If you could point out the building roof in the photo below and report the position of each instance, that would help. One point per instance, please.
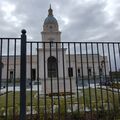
(50, 18)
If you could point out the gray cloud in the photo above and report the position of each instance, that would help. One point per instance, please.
(86, 20)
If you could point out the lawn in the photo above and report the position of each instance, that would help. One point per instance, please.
(90, 100)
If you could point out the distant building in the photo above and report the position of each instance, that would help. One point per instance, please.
(52, 65)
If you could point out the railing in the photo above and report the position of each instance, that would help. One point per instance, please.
(59, 80)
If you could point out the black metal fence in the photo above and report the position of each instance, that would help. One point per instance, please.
(59, 80)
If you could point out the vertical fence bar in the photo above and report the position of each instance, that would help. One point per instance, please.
(31, 90)
(82, 77)
(119, 80)
(45, 101)
(63, 61)
(51, 80)
(23, 77)
(1, 65)
(94, 78)
(116, 67)
(88, 77)
(38, 82)
(6, 109)
(77, 79)
(110, 67)
(69, 62)
(100, 79)
(14, 81)
(103, 63)
(58, 87)
(44, 80)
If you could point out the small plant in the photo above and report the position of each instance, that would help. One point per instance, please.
(2, 111)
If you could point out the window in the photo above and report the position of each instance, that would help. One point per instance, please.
(89, 72)
(1, 65)
(37, 83)
(100, 70)
(11, 75)
(51, 42)
(33, 74)
(78, 71)
(50, 28)
(70, 71)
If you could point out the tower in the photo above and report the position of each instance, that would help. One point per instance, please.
(51, 56)
(51, 31)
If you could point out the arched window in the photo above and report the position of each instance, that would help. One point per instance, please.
(52, 66)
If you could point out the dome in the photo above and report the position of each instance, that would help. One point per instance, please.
(50, 19)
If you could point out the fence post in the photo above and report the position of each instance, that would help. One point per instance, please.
(23, 77)
(0, 70)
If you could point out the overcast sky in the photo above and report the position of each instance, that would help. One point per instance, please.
(79, 20)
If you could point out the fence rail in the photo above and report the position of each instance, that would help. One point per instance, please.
(59, 80)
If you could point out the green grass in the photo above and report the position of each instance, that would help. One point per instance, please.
(91, 97)
(101, 97)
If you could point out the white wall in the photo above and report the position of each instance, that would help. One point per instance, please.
(60, 64)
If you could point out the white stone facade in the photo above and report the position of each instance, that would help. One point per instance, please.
(52, 34)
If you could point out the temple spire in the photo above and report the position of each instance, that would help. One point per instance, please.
(50, 11)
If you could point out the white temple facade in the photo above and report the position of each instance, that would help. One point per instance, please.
(54, 61)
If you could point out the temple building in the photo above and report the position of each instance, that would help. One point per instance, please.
(53, 61)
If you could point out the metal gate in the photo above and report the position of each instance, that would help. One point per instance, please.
(59, 80)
